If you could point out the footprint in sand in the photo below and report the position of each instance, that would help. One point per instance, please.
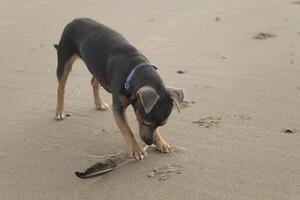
(208, 122)
(165, 172)
(186, 104)
(101, 131)
(239, 117)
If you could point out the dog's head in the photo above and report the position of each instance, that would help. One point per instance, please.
(153, 109)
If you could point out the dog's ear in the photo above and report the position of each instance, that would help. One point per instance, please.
(148, 97)
(176, 94)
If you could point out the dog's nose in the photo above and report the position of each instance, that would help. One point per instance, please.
(149, 141)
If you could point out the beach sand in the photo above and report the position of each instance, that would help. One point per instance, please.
(240, 62)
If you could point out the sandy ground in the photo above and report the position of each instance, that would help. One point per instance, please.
(241, 92)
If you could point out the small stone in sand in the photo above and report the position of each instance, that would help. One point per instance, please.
(263, 36)
(181, 71)
(217, 19)
(288, 130)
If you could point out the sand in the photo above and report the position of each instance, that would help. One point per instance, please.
(249, 86)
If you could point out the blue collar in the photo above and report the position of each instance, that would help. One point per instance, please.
(127, 85)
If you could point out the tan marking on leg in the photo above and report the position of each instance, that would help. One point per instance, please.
(161, 144)
(135, 148)
(61, 88)
(124, 101)
(139, 119)
(100, 105)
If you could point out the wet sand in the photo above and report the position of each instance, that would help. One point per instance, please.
(241, 92)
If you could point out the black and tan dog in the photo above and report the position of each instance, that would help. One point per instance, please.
(121, 70)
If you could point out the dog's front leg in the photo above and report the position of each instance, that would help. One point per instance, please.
(161, 144)
(120, 118)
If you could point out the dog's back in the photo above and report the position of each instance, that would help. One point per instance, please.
(96, 44)
(99, 39)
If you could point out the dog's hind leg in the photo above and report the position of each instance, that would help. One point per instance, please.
(63, 69)
(100, 105)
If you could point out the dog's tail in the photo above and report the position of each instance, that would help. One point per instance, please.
(55, 46)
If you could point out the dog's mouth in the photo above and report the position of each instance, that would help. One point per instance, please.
(148, 134)
(149, 142)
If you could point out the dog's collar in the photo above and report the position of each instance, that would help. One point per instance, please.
(129, 77)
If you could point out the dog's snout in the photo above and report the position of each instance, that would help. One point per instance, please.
(149, 141)
(147, 135)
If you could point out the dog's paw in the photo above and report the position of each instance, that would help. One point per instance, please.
(102, 106)
(162, 145)
(61, 116)
(138, 153)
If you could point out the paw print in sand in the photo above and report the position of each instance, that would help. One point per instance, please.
(208, 122)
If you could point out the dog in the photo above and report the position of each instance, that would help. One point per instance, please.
(124, 72)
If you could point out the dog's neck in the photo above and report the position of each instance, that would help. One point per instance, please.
(133, 71)
(142, 75)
